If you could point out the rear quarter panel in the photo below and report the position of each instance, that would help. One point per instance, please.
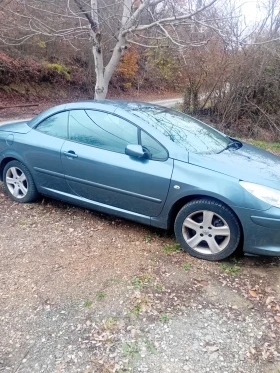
(36, 151)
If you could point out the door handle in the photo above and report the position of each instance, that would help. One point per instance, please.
(70, 154)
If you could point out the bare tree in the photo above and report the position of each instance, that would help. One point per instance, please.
(109, 26)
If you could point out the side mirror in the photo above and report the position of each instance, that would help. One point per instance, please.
(134, 151)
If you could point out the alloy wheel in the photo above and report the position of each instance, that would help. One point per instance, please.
(206, 232)
(16, 182)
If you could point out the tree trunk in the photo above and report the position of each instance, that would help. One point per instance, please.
(195, 101)
(104, 75)
(101, 85)
(187, 100)
(101, 88)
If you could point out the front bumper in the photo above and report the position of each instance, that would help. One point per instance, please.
(261, 231)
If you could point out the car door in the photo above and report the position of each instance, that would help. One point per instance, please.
(44, 153)
(97, 168)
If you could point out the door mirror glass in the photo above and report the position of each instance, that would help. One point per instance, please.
(155, 150)
(134, 151)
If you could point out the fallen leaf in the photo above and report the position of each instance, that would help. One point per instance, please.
(269, 300)
(100, 228)
(213, 348)
(252, 350)
(269, 290)
(253, 293)
(277, 318)
(270, 334)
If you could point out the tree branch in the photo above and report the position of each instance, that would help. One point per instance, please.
(171, 19)
(93, 24)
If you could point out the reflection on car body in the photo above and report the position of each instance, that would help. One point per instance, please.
(150, 164)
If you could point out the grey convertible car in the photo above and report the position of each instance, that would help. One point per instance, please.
(152, 165)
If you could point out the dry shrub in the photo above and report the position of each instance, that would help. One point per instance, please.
(128, 65)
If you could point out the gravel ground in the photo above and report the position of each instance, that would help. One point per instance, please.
(86, 292)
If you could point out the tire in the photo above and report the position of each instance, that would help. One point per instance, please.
(197, 226)
(18, 183)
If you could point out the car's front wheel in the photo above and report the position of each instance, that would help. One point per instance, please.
(19, 183)
(207, 229)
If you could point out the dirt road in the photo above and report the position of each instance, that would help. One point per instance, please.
(86, 292)
(167, 102)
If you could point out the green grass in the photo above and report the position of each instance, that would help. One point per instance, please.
(151, 347)
(186, 266)
(88, 303)
(164, 317)
(267, 145)
(142, 281)
(233, 270)
(109, 324)
(136, 309)
(272, 146)
(100, 295)
(172, 248)
(131, 351)
(148, 238)
(159, 288)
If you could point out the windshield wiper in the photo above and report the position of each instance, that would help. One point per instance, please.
(233, 144)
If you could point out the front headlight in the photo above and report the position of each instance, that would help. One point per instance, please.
(266, 194)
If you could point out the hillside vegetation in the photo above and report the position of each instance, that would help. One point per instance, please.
(229, 80)
(45, 76)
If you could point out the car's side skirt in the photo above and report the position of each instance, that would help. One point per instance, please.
(80, 201)
(97, 185)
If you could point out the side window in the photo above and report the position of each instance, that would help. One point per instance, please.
(55, 125)
(157, 151)
(102, 130)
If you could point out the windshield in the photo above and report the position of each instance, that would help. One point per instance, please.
(183, 130)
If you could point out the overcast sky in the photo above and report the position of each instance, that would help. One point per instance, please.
(250, 9)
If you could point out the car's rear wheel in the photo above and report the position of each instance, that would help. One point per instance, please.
(19, 183)
(207, 229)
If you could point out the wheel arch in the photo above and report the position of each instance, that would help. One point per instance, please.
(4, 162)
(173, 212)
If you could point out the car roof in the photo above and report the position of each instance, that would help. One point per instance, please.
(121, 104)
(106, 105)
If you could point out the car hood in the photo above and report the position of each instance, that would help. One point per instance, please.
(16, 127)
(248, 163)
